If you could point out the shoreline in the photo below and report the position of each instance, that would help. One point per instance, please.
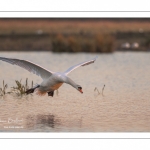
(121, 41)
(103, 35)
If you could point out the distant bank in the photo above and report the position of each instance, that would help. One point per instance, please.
(75, 35)
(103, 43)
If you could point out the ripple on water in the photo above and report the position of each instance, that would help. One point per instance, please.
(124, 106)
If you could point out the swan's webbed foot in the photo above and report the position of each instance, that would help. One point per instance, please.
(51, 93)
(32, 89)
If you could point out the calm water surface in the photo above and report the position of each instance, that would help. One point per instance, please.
(125, 105)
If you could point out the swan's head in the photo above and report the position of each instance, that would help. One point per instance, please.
(72, 83)
(79, 88)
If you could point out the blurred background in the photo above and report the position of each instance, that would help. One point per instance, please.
(75, 35)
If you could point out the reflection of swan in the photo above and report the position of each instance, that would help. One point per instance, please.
(51, 80)
(44, 120)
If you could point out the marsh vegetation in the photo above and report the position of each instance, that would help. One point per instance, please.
(74, 35)
(18, 89)
(3, 89)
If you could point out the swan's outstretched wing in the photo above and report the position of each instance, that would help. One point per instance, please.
(31, 67)
(80, 64)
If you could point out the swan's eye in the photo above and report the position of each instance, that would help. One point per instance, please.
(79, 88)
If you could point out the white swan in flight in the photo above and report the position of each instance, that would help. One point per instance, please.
(51, 80)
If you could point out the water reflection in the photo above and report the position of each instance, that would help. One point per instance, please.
(123, 105)
(42, 120)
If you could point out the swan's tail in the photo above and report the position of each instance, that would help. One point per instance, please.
(40, 92)
(31, 90)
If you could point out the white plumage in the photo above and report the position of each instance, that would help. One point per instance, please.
(51, 80)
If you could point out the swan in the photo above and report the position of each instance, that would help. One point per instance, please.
(51, 80)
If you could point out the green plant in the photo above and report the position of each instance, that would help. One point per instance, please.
(3, 89)
(20, 88)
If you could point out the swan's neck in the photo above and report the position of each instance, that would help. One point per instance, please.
(72, 83)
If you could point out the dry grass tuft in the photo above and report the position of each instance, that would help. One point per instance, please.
(3, 89)
(20, 88)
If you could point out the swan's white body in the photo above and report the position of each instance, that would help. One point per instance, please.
(51, 80)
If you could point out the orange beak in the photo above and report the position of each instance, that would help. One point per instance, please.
(80, 90)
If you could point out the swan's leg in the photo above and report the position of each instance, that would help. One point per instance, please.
(32, 89)
(51, 93)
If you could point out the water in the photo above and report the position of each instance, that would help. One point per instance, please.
(124, 107)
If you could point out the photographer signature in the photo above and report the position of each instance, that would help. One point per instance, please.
(10, 121)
